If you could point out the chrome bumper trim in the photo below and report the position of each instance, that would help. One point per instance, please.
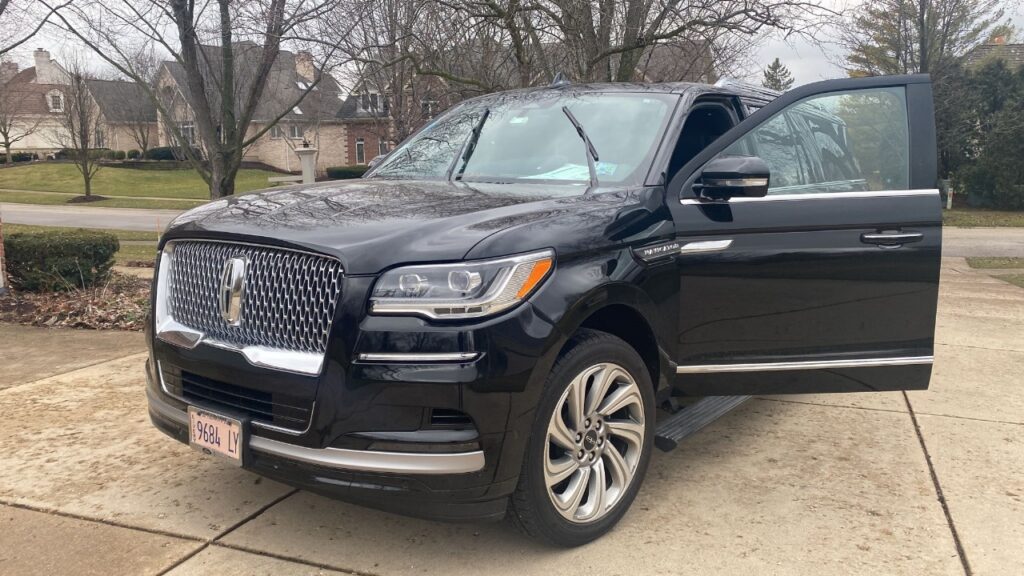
(419, 357)
(811, 365)
(342, 459)
(373, 461)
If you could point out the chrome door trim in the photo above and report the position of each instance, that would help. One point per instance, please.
(705, 246)
(808, 365)
(812, 196)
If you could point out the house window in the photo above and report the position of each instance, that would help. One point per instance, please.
(427, 108)
(382, 147)
(295, 132)
(188, 133)
(56, 101)
(276, 131)
(370, 101)
(360, 151)
(99, 140)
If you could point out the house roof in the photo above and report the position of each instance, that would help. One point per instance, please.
(122, 101)
(26, 96)
(281, 92)
(1013, 54)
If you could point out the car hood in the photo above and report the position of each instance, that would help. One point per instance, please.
(372, 224)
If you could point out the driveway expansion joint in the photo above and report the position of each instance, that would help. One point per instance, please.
(104, 521)
(938, 490)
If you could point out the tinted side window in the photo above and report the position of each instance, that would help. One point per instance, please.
(859, 139)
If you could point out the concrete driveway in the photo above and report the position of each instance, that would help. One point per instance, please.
(923, 483)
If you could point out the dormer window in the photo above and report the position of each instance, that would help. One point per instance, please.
(55, 101)
(370, 101)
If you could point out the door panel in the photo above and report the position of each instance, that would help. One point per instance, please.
(830, 282)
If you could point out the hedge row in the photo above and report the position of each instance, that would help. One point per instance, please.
(59, 260)
(345, 172)
(18, 157)
(168, 153)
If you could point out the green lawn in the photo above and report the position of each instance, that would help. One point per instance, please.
(1015, 279)
(19, 197)
(136, 253)
(109, 181)
(995, 262)
(972, 217)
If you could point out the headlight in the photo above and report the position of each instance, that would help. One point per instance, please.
(463, 290)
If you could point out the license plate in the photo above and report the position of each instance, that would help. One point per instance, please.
(215, 434)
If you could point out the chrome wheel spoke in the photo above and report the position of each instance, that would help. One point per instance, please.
(595, 505)
(558, 470)
(617, 467)
(569, 501)
(560, 434)
(628, 430)
(577, 398)
(603, 380)
(622, 397)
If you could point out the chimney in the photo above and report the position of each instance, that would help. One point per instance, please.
(8, 70)
(46, 69)
(304, 66)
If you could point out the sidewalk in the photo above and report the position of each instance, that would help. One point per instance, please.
(924, 483)
(88, 217)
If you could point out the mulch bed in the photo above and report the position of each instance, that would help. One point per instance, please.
(119, 304)
(85, 199)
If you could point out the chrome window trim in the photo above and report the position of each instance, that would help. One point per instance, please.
(807, 365)
(812, 196)
(256, 423)
(173, 332)
(427, 357)
(344, 459)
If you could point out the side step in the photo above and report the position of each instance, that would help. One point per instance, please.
(692, 418)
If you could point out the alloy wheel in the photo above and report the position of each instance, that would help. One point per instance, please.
(594, 442)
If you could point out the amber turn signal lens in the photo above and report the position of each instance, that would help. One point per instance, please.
(539, 272)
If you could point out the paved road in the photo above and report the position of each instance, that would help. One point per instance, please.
(957, 242)
(88, 217)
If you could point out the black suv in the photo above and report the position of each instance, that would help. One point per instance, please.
(502, 316)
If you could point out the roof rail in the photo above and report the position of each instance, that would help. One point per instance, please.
(748, 87)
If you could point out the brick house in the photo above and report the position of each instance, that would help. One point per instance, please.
(324, 117)
(37, 94)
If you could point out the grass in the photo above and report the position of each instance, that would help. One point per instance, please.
(130, 235)
(65, 179)
(1015, 279)
(978, 217)
(136, 253)
(995, 263)
(21, 197)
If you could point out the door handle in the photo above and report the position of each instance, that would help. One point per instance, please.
(891, 239)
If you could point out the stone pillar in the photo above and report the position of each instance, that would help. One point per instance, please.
(307, 158)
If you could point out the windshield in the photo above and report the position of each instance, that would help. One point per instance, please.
(528, 138)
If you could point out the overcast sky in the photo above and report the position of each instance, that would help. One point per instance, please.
(807, 61)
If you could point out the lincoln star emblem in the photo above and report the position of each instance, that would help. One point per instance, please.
(232, 289)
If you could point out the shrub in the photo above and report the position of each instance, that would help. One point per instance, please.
(167, 153)
(119, 155)
(133, 155)
(345, 172)
(59, 260)
(18, 157)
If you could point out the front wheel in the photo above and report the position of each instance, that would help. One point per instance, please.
(591, 442)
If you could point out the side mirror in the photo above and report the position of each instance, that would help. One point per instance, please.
(728, 176)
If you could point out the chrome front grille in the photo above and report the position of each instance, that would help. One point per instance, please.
(288, 300)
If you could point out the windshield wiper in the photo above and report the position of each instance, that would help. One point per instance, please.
(592, 156)
(471, 144)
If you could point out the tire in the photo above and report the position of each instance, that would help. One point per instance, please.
(558, 498)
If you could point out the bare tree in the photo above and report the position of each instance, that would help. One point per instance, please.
(20, 20)
(80, 124)
(228, 53)
(14, 126)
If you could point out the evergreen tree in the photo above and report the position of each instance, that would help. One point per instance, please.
(777, 77)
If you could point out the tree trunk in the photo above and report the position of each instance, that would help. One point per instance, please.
(222, 176)
(7, 154)
(88, 184)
